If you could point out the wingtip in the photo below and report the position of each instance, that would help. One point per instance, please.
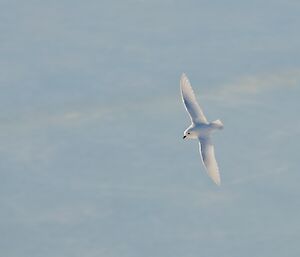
(216, 180)
(184, 80)
(183, 75)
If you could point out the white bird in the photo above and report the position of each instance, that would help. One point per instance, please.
(200, 129)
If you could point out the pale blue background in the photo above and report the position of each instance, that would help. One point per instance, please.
(92, 157)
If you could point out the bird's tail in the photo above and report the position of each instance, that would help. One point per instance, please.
(217, 124)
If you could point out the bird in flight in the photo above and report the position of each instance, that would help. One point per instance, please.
(200, 129)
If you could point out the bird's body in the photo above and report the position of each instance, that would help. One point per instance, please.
(200, 129)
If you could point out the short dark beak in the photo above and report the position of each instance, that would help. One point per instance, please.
(184, 137)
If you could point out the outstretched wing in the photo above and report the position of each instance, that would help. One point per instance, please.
(209, 160)
(190, 102)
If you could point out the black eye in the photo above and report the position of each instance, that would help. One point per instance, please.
(189, 133)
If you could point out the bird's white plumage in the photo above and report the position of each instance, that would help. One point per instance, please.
(201, 129)
(190, 102)
(208, 158)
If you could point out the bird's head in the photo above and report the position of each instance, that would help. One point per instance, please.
(189, 133)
